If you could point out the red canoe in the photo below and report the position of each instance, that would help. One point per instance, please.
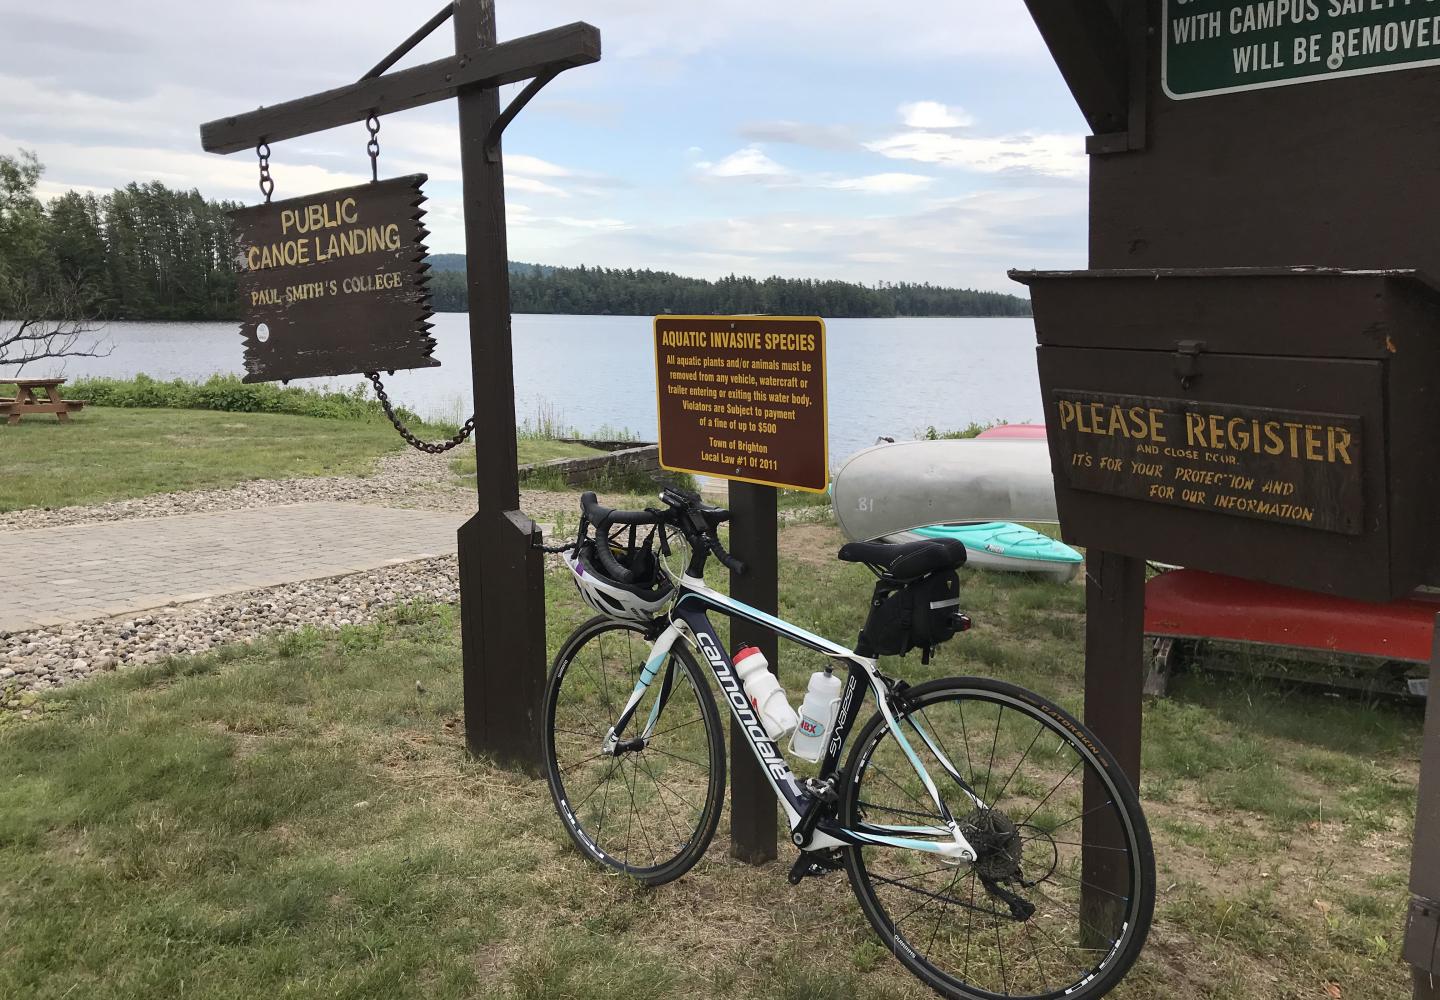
(1024, 432)
(1189, 604)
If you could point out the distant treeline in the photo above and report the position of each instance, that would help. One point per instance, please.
(140, 252)
(628, 292)
(146, 252)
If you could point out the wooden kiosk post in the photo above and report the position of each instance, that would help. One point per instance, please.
(502, 594)
(1244, 381)
(754, 540)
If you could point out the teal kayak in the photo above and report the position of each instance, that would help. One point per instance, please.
(1008, 547)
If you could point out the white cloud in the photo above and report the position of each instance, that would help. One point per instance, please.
(636, 29)
(530, 185)
(1050, 154)
(895, 183)
(933, 114)
(966, 241)
(748, 162)
(838, 138)
(533, 166)
(752, 164)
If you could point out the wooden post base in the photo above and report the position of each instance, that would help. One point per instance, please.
(1114, 681)
(502, 632)
(1422, 933)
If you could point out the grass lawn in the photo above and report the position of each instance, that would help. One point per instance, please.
(531, 450)
(111, 453)
(297, 819)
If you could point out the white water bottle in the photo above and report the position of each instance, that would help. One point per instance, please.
(817, 716)
(766, 695)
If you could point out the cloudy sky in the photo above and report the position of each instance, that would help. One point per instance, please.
(908, 140)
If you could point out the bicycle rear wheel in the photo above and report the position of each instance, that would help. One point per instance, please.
(1041, 913)
(650, 809)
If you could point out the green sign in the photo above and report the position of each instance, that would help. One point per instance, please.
(1221, 46)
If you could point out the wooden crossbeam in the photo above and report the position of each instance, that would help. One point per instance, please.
(546, 52)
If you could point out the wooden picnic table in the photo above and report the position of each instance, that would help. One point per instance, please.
(49, 401)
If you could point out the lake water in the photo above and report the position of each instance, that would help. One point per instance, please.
(886, 376)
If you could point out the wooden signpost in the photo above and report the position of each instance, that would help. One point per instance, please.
(742, 398)
(502, 593)
(334, 283)
(1258, 297)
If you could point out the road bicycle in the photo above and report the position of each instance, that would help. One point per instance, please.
(992, 842)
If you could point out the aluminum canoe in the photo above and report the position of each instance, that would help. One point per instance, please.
(897, 487)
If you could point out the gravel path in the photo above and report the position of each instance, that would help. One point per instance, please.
(47, 658)
(406, 478)
(44, 658)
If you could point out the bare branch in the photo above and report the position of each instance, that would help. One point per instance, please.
(49, 323)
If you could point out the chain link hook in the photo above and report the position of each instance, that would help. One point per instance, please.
(372, 123)
(267, 183)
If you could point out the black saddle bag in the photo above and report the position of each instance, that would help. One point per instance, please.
(917, 615)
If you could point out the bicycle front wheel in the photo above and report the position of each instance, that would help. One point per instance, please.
(1041, 912)
(650, 808)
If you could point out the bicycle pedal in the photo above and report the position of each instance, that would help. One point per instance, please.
(811, 864)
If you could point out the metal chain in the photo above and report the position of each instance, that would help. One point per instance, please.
(267, 183)
(373, 147)
(435, 448)
(556, 548)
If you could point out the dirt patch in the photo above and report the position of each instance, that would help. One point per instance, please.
(811, 544)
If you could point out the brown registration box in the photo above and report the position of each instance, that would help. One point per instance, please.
(743, 397)
(1274, 424)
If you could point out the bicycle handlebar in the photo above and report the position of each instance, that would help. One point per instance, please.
(726, 559)
(686, 512)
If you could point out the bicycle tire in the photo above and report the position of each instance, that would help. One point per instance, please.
(652, 779)
(1100, 967)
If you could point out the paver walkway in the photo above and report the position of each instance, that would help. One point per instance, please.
(56, 575)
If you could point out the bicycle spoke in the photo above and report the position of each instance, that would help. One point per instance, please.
(680, 840)
(669, 798)
(1088, 885)
(667, 753)
(886, 775)
(901, 812)
(602, 780)
(1004, 980)
(1052, 791)
(1000, 794)
(972, 934)
(673, 728)
(587, 760)
(994, 742)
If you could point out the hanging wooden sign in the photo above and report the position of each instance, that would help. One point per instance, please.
(335, 283)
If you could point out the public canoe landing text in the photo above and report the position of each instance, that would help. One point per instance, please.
(744, 395)
(320, 234)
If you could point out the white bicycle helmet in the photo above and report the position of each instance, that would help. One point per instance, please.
(621, 581)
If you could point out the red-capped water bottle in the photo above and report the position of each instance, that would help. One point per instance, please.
(766, 695)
